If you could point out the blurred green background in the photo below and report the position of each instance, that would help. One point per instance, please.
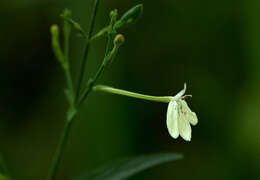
(214, 46)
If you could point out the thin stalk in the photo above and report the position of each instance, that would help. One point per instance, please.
(91, 84)
(100, 33)
(70, 85)
(67, 128)
(108, 89)
(71, 96)
(109, 54)
(63, 141)
(66, 39)
(108, 57)
(66, 32)
(87, 46)
(64, 138)
(82, 32)
(72, 111)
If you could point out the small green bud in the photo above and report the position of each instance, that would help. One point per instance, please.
(113, 13)
(67, 26)
(130, 16)
(113, 17)
(66, 30)
(56, 44)
(66, 13)
(119, 40)
(55, 31)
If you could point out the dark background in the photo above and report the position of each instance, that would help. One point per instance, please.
(214, 46)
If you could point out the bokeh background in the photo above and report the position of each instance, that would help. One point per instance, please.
(214, 46)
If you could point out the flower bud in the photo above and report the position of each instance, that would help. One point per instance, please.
(113, 14)
(55, 31)
(66, 13)
(67, 26)
(119, 40)
(130, 16)
(56, 44)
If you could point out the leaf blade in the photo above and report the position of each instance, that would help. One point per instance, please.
(125, 168)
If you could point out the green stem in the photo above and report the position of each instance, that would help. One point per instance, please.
(60, 149)
(72, 111)
(109, 44)
(70, 85)
(100, 33)
(67, 30)
(108, 89)
(82, 32)
(76, 26)
(71, 116)
(109, 57)
(91, 84)
(87, 46)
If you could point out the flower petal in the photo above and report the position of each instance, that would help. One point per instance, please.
(190, 116)
(184, 126)
(172, 119)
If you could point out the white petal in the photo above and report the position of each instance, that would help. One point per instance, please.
(172, 119)
(193, 118)
(184, 126)
(189, 115)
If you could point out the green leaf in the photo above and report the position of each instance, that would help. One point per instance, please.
(125, 168)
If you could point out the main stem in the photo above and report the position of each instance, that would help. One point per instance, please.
(70, 84)
(60, 149)
(65, 135)
(69, 121)
(87, 46)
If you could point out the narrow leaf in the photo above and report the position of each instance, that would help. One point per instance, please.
(125, 168)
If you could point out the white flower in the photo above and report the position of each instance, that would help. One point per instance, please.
(179, 117)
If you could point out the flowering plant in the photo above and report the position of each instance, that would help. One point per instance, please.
(179, 116)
